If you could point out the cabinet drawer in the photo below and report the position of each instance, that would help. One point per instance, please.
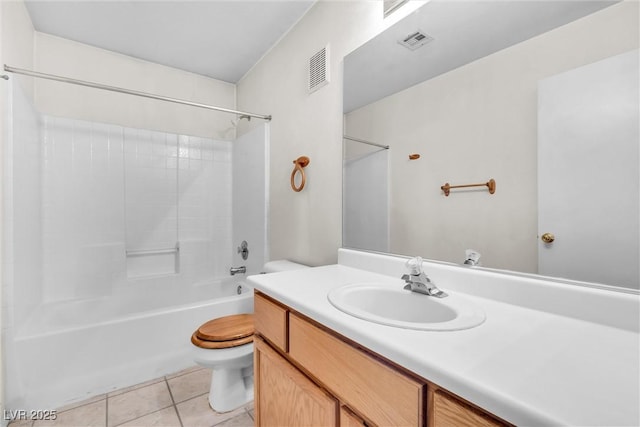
(450, 412)
(270, 321)
(375, 390)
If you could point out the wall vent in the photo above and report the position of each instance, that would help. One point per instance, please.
(415, 40)
(319, 69)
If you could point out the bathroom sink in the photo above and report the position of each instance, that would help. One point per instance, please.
(391, 305)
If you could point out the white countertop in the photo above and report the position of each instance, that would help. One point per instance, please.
(529, 367)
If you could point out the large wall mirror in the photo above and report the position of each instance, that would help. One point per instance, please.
(540, 96)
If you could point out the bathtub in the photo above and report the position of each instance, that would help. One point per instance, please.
(70, 351)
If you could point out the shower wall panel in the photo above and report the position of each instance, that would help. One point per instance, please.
(110, 191)
(251, 189)
(204, 205)
(83, 230)
(22, 214)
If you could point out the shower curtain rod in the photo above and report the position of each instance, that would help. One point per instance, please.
(128, 92)
(386, 147)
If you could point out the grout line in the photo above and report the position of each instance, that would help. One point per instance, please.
(178, 414)
(142, 416)
(79, 404)
(193, 397)
(170, 393)
(178, 374)
(106, 398)
(175, 408)
(172, 405)
(135, 387)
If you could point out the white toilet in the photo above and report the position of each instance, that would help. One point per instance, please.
(225, 345)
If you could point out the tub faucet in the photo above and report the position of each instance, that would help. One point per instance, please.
(419, 282)
(235, 270)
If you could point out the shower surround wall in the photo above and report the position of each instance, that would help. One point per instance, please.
(109, 191)
(22, 240)
(88, 206)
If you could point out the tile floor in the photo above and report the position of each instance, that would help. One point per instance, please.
(177, 400)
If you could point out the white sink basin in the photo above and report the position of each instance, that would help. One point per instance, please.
(393, 306)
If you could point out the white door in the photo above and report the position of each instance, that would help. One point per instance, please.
(588, 179)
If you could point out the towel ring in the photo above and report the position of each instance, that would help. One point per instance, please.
(300, 163)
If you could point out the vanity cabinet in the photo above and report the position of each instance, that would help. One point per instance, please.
(447, 411)
(365, 384)
(286, 397)
(349, 419)
(306, 374)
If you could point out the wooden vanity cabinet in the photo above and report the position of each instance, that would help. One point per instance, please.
(365, 384)
(270, 320)
(308, 375)
(349, 419)
(448, 411)
(286, 397)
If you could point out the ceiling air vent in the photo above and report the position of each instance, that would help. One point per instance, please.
(415, 40)
(319, 69)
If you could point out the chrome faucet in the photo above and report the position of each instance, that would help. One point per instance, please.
(472, 258)
(235, 270)
(419, 282)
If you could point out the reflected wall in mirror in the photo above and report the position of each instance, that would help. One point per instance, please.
(476, 102)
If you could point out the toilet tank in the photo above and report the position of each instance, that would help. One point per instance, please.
(282, 265)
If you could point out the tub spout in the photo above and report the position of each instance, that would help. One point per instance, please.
(235, 270)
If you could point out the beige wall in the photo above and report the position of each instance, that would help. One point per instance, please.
(307, 226)
(16, 48)
(55, 55)
(475, 123)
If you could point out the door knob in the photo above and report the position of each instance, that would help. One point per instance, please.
(548, 237)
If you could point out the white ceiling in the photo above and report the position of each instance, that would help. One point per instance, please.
(215, 38)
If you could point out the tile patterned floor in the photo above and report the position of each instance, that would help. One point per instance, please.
(177, 400)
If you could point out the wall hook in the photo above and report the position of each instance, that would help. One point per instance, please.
(300, 163)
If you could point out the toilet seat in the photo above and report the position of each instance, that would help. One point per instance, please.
(225, 332)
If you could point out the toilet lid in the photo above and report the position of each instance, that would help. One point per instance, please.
(228, 328)
(220, 344)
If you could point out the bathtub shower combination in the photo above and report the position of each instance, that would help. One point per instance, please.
(118, 246)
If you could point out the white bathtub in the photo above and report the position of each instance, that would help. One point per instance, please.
(70, 351)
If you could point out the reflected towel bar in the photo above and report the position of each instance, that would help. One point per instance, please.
(491, 185)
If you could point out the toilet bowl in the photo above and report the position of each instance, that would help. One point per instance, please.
(225, 345)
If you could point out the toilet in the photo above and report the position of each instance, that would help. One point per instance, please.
(225, 345)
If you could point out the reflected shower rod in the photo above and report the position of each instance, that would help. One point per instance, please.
(364, 141)
(128, 91)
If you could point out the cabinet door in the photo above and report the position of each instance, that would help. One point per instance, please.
(285, 397)
(450, 412)
(349, 419)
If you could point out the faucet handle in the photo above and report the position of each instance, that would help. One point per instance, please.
(414, 265)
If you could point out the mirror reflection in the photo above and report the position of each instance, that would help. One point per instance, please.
(541, 97)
